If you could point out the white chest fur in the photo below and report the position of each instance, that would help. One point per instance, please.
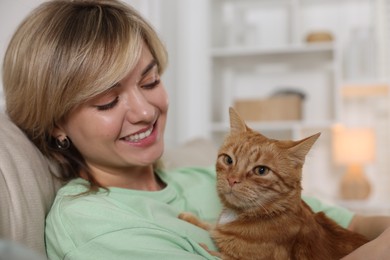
(227, 216)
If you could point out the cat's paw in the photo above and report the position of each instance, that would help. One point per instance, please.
(213, 253)
(191, 218)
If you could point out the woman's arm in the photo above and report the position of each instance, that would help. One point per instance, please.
(375, 228)
(377, 249)
(369, 226)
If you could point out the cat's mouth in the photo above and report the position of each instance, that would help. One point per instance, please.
(232, 197)
(240, 199)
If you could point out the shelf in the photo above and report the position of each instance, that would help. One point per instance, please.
(261, 2)
(315, 48)
(365, 90)
(276, 125)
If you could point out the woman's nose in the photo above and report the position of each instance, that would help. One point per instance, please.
(139, 107)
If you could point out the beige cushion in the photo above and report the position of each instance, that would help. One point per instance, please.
(27, 187)
(196, 152)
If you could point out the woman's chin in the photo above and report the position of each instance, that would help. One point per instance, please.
(152, 158)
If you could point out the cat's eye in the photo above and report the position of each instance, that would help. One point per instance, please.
(227, 159)
(261, 170)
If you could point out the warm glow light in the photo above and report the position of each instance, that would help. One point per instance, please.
(353, 145)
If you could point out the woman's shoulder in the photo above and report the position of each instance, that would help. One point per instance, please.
(76, 219)
(75, 199)
(70, 205)
(76, 213)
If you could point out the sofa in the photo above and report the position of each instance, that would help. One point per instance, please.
(28, 182)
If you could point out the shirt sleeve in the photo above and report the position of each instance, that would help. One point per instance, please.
(341, 215)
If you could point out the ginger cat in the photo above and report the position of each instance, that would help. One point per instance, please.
(264, 217)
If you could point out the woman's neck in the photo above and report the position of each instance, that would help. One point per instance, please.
(135, 178)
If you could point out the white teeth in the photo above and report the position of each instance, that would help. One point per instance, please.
(139, 136)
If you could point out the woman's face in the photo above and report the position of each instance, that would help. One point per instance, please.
(124, 127)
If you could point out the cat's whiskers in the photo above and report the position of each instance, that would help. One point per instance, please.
(250, 200)
(264, 208)
(260, 204)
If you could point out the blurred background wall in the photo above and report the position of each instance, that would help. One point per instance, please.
(292, 67)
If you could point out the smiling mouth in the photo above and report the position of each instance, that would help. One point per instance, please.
(139, 136)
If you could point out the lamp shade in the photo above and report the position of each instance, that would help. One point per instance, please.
(353, 145)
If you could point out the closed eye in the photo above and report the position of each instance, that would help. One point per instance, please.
(151, 85)
(107, 106)
(150, 77)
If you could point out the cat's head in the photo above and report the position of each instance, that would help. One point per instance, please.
(255, 172)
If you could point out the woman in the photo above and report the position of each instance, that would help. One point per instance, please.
(82, 80)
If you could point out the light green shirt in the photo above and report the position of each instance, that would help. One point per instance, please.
(132, 224)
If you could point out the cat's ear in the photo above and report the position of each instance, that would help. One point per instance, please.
(237, 124)
(302, 147)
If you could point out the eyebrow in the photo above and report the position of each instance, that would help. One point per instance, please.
(149, 67)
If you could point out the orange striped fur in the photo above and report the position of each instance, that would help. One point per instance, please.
(264, 217)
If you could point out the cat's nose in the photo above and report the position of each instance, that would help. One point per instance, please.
(233, 180)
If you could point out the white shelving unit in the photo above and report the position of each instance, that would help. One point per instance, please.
(259, 47)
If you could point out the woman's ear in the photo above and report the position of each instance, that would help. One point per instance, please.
(58, 132)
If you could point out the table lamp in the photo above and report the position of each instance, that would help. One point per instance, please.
(354, 148)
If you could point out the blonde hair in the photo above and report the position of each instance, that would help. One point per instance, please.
(66, 52)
